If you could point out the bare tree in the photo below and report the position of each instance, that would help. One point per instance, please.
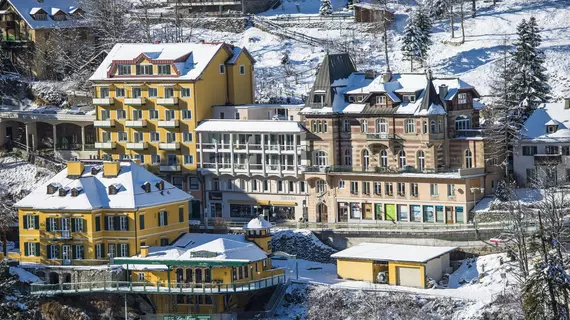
(462, 16)
(473, 8)
(143, 15)
(452, 19)
(8, 218)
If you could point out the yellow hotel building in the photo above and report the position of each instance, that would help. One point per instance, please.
(93, 212)
(149, 99)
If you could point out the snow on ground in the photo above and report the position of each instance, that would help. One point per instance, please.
(309, 271)
(24, 275)
(292, 7)
(17, 175)
(302, 243)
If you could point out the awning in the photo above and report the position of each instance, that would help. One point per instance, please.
(251, 202)
(283, 203)
(263, 202)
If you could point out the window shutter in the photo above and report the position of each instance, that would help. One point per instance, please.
(106, 223)
(102, 251)
(37, 245)
(57, 253)
(158, 215)
(48, 225)
(141, 222)
(73, 226)
(26, 249)
(128, 251)
(49, 256)
(180, 214)
(25, 223)
(117, 223)
(81, 251)
(127, 220)
(73, 251)
(165, 218)
(84, 224)
(97, 223)
(37, 223)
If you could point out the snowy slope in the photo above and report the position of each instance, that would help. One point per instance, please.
(17, 175)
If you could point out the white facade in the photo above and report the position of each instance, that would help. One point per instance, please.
(258, 112)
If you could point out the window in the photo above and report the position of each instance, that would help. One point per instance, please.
(350, 98)
(144, 69)
(265, 185)
(402, 159)
(99, 251)
(439, 126)
(32, 249)
(325, 126)
(468, 159)
(153, 114)
(123, 223)
(365, 187)
(222, 68)
(123, 249)
(529, 150)
(104, 114)
(462, 122)
(341, 184)
(181, 212)
(155, 158)
(381, 126)
(346, 125)
(141, 222)
(348, 157)
(194, 183)
(254, 185)
(364, 126)
(566, 150)
(414, 189)
(365, 160)
(432, 126)
(153, 92)
(121, 114)
(141, 276)
(237, 115)
(164, 69)
(78, 252)
(321, 186)
(401, 189)
(433, 190)
(77, 224)
(136, 92)
(122, 136)
(409, 98)
(425, 126)
(137, 114)
(551, 129)
(383, 158)
(53, 251)
(380, 99)
(319, 99)
(169, 92)
(110, 223)
(230, 184)
(410, 126)
(154, 136)
(551, 149)
(185, 92)
(389, 189)
(462, 98)
(321, 158)
(186, 114)
(119, 92)
(111, 250)
(242, 69)
(451, 190)
(377, 188)
(188, 159)
(280, 186)
(353, 187)
(32, 222)
(302, 186)
(97, 224)
(187, 137)
(124, 69)
(162, 218)
(421, 161)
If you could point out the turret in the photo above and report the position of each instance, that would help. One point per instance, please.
(258, 230)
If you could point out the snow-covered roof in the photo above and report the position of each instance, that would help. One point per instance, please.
(373, 6)
(258, 223)
(354, 108)
(190, 59)
(94, 191)
(392, 252)
(534, 127)
(227, 125)
(200, 248)
(27, 8)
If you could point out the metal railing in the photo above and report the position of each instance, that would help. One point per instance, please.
(382, 136)
(159, 287)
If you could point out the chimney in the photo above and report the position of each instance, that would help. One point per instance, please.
(75, 169)
(442, 92)
(144, 251)
(111, 169)
(566, 103)
(386, 75)
(369, 74)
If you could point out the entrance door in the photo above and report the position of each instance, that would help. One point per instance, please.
(448, 214)
(9, 132)
(66, 252)
(322, 213)
(391, 212)
(65, 227)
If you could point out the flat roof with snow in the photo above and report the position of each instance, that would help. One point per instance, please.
(392, 252)
(250, 126)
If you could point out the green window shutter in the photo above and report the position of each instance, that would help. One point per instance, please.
(84, 222)
(73, 255)
(97, 223)
(38, 254)
(48, 225)
(128, 251)
(165, 218)
(141, 222)
(48, 247)
(102, 250)
(117, 223)
(26, 249)
(37, 223)
(180, 214)
(73, 227)
(25, 222)
(106, 223)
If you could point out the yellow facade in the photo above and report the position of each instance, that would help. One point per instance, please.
(393, 272)
(356, 269)
(190, 103)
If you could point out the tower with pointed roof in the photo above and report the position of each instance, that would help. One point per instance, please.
(258, 230)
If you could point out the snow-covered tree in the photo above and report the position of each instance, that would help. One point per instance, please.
(13, 304)
(326, 8)
(528, 85)
(8, 218)
(415, 41)
(438, 8)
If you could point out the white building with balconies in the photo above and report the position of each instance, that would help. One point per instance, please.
(253, 167)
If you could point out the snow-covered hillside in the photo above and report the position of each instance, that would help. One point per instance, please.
(17, 175)
(473, 60)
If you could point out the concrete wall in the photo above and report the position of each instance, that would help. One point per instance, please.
(436, 267)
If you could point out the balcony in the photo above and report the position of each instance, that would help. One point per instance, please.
(135, 101)
(169, 145)
(167, 101)
(168, 124)
(547, 159)
(8, 24)
(381, 136)
(461, 172)
(61, 235)
(105, 145)
(103, 101)
(171, 168)
(468, 133)
(137, 145)
(135, 123)
(109, 123)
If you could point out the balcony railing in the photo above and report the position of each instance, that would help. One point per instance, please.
(105, 145)
(469, 133)
(389, 170)
(103, 101)
(61, 235)
(169, 145)
(135, 123)
(159, 287)
(207, 146)
(104, 123)
(167, 101)
(381, 136)
(135, 101)
(547, 159)
(168, 124)
(170, 168)
(137, 145)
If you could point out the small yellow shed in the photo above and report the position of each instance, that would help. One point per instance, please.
(396, 264)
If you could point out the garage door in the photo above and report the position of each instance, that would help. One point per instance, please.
(409, 277)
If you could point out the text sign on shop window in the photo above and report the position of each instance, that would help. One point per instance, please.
(187, 317)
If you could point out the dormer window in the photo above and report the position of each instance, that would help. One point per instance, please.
(144, 69)
(60, 16)
(551, 128)
(462, 98)
(146, 187)
(52, 188)
(160, 185)
(40, 16)
(350, 98)
(319, 98)
(380, 99)
(164, 69)
(114, 188)
(124, 69)
(359, 98)
(95, 170)
(63, 191)
(409, 98)
(76, 191)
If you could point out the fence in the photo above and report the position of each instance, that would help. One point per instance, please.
(305, 18)
(271, 27)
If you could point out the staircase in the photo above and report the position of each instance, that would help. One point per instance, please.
(276, 29)
(276, 299)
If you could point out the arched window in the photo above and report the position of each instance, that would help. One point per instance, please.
(381, 126)
(439, 127)
(468, 159)
(365, 160)
(348, 157)
(462, 122)
(325, 126)
(425, 125)
(321, 186)
(383, 158)
(321, 158)
(402, 159)
(364, 126)
(320, 126)
(432, 125)
(313, 126)
(421, 161)
(410, 126)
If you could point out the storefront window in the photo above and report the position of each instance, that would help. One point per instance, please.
(378, 211)
(343, 211)
(355, 212)
(416, 213)
(242, 211)
(367, 212)
(439, 213)
(284, 213)
(459, 215)
(402, 212)
(428, 214)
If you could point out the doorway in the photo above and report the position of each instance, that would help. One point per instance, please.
(322, 213)
(448, 215)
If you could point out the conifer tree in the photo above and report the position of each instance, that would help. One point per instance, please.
(415, 42)
(529, 81)
(326, 8)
